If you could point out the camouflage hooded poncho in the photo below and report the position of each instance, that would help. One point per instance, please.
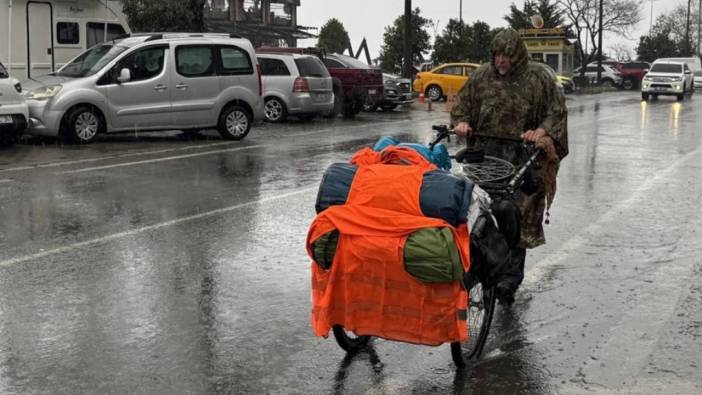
(508, 105)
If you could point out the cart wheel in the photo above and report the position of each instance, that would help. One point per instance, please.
(481, 307)
(348, 341)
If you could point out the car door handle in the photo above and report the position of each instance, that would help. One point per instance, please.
(160, 88)
(182, 86)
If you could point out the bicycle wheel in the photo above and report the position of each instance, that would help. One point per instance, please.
(481, 307)
(348, 341)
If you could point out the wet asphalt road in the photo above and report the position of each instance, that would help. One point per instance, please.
(160, 264)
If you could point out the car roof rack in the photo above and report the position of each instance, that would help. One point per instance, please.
(161, 35)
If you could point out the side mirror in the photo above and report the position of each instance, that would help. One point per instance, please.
(688, 72)
(124, 75)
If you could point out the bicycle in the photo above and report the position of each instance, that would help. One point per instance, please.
(500, 180)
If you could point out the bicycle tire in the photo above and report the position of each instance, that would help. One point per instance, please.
(347, 342)
(481, 308)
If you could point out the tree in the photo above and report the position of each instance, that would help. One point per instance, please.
(391, 51)
(451, 45)
(460, 42)
(667, 36)
(165, 15)
(620, 16)
(657, 45)
(333, 37)
(551, 13)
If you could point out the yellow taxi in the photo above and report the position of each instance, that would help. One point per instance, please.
(441, 81)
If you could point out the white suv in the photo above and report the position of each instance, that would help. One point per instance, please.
(667, 78)
(13, 109)
(152, 81)
(610, 76)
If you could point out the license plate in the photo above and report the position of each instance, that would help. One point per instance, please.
(372, 91)
(5, 119)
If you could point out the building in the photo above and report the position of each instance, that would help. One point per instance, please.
(552, 47)
(264, 22)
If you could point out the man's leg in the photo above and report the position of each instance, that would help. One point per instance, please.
(511, 277)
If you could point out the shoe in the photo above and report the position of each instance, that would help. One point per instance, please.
(505, 295)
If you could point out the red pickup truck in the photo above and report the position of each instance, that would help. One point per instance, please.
(354, 81)
(633, 73)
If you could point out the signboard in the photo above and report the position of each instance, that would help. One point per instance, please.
(556, 32)
(540, 45)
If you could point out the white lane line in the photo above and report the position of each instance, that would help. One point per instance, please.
(177, 221)
(141, 162)
(541, 268)
(102, 158)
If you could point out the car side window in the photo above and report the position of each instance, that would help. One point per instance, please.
(451, 70)
(235, 61)
(143, 64)
(333, 63)
(273, 67)
(194, 61)
(469, 70)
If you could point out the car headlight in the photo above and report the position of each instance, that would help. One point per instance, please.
(43, 93)
(676, 79)
(647, 78)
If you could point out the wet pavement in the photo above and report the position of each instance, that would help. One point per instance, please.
(165, 264)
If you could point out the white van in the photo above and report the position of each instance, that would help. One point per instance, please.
(692, 62)
(38, 37)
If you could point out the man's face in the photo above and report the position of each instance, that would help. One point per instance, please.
(503, 63)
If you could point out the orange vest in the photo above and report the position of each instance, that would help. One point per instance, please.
(367, 289)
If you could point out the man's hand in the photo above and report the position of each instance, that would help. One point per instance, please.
(463, 129)
(533, 136)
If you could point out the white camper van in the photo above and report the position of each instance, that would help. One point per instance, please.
(38, 37)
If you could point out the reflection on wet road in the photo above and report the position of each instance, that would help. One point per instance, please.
(164, 264)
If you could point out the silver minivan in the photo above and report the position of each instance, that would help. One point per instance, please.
(13, 109)
(145, 82)
(295, 84)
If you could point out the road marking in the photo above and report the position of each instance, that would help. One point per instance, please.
(177, 221)
(102, 158)
(141, 162)
(6, 181)
(540, 269)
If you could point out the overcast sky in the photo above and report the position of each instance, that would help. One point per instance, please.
(368, 18)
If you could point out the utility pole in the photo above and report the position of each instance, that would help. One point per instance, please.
(699, 20)
(599, 48)
(460, 10)
(688, 47)
(407, 42)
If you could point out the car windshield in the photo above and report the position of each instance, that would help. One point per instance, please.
(311, 67)
(91, 61)
(3, 72)
(352, 62)
(666, 68)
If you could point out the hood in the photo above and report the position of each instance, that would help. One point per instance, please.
(510, 43)
(44, 80)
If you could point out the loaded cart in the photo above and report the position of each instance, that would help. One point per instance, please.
(390, 248)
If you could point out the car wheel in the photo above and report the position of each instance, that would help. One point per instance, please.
(434, 93)
(82, 125)
(681, 97)
(275, 110)
(338, 104)
(654, 97)
(644, 96)
(234, 123)
(628, 84)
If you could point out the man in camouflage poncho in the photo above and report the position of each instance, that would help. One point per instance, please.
(515, 99)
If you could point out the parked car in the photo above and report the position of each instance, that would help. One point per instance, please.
(295, 84)
(698, 79)
(667, 78)
(633, 73)
(13, 109)
(396, 91)
(565, 83)
(610, 75)
(354, 82)
(443, 80)
(150, 82)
